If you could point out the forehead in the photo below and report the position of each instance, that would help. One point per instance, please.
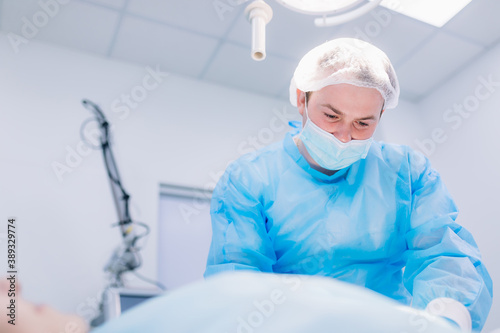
(348, 98)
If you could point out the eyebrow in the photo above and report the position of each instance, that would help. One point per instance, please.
(340, 113)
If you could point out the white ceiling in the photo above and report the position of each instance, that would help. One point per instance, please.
(190, 37)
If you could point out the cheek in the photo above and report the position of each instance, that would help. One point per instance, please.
(366, 133)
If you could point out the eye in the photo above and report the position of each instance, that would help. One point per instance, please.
(363, 124)
(330, 116)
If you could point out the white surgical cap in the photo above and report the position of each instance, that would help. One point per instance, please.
(346, 60)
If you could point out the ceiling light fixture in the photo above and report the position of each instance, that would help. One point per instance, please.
(434, 12)
(260, 13)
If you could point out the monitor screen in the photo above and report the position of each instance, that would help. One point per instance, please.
(118, 300)
(129, 301)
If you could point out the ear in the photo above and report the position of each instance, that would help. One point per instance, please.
(301, 100)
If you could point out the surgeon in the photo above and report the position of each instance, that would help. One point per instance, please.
(329, 200)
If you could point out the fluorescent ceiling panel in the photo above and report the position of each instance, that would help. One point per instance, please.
(319, 7)
(434, 12)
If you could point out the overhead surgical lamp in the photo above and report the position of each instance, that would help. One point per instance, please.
(332, 12)
(341, 11)
(259, 14)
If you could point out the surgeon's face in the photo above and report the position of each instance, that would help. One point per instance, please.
(30, 318)
(349, 112)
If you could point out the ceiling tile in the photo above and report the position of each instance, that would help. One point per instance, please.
(395, 34)
(234, 67)
(477, 22)
(154, 44)
(440, 57)
(77, 25)
(118, 4)
(206, 17)
(13, 11)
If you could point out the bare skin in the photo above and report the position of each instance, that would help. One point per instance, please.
(32, 318)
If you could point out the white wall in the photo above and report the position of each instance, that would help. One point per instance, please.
(184, 132)
(394, 124)
(466, 151)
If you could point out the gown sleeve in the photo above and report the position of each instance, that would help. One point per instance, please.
(239, 234)
(442, 258)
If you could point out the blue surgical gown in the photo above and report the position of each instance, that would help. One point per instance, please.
(387, 223)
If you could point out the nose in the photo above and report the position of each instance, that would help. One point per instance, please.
(343, 133)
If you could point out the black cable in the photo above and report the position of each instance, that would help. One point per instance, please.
(109, 161)
(143, 235)
(125, 196)
(111, 169)
(158, 284)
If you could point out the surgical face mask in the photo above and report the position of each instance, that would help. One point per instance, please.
(328, 151)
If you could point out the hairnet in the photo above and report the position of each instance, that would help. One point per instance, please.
(346, 60)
